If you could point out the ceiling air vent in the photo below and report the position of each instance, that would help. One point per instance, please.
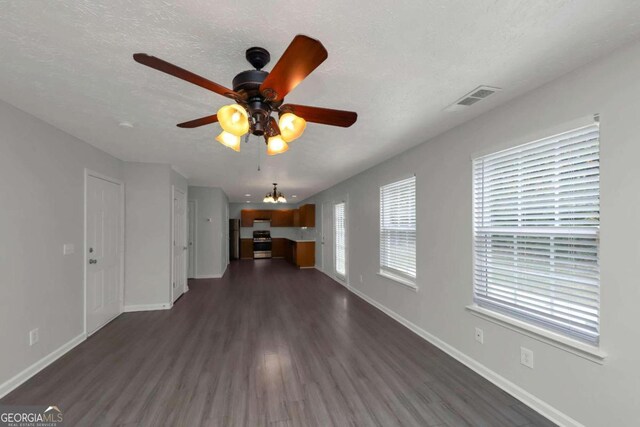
(478, 94)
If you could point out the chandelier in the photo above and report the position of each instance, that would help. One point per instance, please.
(275, 196)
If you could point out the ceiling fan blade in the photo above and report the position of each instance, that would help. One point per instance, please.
(199, 122)
(303, 55)
(181, 73)
(324, 116)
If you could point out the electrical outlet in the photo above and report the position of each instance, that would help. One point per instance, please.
(526, 357)
(480, 335)
(361, 278)
(34, 336)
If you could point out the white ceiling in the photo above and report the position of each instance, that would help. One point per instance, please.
(398, 64)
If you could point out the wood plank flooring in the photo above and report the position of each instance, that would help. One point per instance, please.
(267, 345)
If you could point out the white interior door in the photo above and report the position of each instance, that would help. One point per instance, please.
(103, 252)
(179, 282)
(191, 213)
(327, 237)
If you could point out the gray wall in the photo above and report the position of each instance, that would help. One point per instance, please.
(212, 244)
(148, 233)
(42, 193)
(592, 394)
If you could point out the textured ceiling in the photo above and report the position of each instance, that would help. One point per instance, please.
(398, 64)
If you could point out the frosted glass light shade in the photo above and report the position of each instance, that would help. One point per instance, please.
(291, 126)
(229, 140)
(234, 119)
(276, 145)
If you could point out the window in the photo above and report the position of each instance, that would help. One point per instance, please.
(398, 229)
(340, 239)
(536, 224)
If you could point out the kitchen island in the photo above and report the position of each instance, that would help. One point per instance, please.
(299, 252)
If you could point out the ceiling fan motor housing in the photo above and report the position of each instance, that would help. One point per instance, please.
(248, 82)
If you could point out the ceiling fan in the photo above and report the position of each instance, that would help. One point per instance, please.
(258, 94)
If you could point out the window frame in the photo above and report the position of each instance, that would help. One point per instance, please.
(554, 336)
(398, 276)
(337, 274)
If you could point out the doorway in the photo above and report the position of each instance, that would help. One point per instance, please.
(179, 280)
(103, 249)
(191, 214)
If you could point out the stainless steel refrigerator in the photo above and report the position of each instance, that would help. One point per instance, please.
(234, 239)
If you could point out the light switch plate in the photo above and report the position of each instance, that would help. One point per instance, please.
(68, 248)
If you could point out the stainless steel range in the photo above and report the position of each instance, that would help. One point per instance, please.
(261, 244)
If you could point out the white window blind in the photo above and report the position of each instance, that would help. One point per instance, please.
(398, 228)
(536, 224)
(340, 239)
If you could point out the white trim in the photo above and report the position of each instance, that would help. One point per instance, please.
(209, 276)
(401, 280)
(146, 307)
(516, 391)
(14, 382)
(195, 238)
(586, 351)
(87, 174)
(172, 278)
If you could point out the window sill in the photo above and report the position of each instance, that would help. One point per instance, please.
(586, 351)
(405, 282)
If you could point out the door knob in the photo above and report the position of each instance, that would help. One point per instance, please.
(93, 261)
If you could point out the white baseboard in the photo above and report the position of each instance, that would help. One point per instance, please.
(17, 380)
(146, 307)
(210, 276)
(518, 392)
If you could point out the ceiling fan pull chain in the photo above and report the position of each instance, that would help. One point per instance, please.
(259, 159)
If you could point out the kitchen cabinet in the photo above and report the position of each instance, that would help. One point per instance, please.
(305, 216)
(278, 247)
(295, 220)
(282, 218)
(246, 217)
(302, 254)
(246, 248)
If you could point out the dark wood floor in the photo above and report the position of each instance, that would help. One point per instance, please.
(267, 345)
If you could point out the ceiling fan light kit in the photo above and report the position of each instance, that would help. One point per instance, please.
(276, 145)
(229, 140)
(233, 119)
(258, 94)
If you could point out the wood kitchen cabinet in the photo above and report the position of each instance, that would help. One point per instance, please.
(282, 218)
(246, 248)
(246, 217)
(307, 215)
(300, 254)
(278, 247)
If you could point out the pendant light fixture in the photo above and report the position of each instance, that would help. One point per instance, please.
(275, 196)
